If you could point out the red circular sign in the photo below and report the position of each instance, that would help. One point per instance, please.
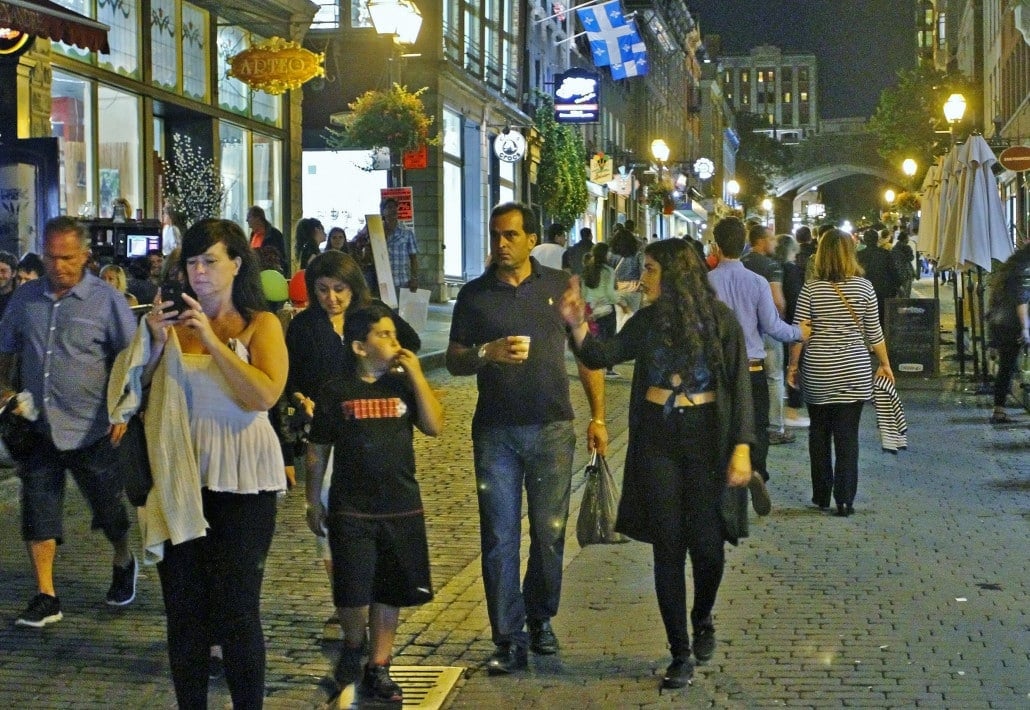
(1015, 158)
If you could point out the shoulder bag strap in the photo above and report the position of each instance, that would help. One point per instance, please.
(851, 310)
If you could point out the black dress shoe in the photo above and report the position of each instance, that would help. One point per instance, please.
(507, 658)
(542, 638)
(849, 510)
(679, 673)
(704, 643)
(841, 511)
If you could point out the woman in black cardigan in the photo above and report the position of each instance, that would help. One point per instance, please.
(690, 388)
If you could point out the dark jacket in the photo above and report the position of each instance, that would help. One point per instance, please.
(878, 265)
(903, 258)
(805, 252)
(317, 353)
(734, 412)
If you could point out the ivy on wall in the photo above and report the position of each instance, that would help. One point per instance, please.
(562, 175)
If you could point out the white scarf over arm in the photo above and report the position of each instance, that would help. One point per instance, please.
(174, 511)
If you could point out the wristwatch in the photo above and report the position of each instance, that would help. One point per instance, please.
(481, 354)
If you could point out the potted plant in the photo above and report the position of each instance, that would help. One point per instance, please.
(395, 118)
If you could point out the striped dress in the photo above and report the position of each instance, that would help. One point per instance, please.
(836, 367)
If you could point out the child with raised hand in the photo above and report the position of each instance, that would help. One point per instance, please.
(375, 521)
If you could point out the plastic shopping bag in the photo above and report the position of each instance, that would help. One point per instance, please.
(596, 522)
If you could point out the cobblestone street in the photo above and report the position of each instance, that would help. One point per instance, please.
(919, 600)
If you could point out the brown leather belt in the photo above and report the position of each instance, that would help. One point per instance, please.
(657, 395)
(755, 365)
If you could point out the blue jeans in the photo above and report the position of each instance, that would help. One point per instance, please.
(506, 457)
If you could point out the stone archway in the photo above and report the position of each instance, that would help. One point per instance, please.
(822, 174)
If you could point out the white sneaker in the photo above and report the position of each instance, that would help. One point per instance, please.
(797, 422)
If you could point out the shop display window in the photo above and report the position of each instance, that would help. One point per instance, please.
(118, 154)
(71, 121)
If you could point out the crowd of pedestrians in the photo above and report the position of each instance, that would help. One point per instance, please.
(218, 380)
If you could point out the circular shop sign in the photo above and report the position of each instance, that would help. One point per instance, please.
(510, 146)
(704, 168)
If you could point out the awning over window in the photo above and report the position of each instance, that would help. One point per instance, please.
(48, 19)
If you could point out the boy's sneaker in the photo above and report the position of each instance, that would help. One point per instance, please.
(348, 666)
(42, 610)
(378, 686)
(123, 584)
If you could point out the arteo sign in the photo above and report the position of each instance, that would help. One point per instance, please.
(1015, 158)
(276, 66)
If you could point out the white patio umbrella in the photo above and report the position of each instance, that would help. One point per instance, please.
(929, 208)
(953, 180)
(983, 235)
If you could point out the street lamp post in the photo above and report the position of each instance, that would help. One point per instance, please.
(733, 189)
(767, 206)
(954, 109)
(401, 20)
(888, 197)
(909, 167)
(660, 151)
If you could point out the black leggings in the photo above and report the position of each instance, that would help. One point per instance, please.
(682, 467)
(212, 594)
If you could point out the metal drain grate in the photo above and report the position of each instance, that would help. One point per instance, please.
(425, 687)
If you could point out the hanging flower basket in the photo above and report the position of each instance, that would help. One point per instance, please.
(394, 119)
(660, 199)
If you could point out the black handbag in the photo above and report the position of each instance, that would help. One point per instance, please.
(596, 522)
(17, 432)
(134, 463)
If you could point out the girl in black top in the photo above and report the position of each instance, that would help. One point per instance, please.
(691, 389)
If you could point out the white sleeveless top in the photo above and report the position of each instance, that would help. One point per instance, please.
(237, 451)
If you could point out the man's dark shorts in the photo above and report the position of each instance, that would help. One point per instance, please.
(43, 482)
(380, 560)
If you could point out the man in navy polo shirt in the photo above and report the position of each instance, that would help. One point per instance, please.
(507, 330)
(65, 330)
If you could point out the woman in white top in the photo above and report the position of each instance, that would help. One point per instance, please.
(235, 359)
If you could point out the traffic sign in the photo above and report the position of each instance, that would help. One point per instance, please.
(1015, 158)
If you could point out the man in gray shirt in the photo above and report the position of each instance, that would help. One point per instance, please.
(65, 330)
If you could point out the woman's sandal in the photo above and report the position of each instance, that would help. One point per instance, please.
(1000, 418)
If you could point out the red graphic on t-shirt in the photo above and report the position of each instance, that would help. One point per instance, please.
(382, 408)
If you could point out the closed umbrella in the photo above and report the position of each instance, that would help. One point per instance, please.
(928, 210)
(952, 208)
(983, 235)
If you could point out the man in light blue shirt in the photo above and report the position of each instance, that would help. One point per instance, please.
(65, 330)
(749, 296)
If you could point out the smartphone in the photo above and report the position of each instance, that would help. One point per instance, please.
(172, 291)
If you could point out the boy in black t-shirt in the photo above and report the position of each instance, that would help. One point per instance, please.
(377, 531)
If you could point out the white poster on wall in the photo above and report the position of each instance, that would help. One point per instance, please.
(18, 208)
(381, 258)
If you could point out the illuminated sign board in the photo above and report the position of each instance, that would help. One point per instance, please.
(577, 96)
(276, 66)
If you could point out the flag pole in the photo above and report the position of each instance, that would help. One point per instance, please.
(590, 3)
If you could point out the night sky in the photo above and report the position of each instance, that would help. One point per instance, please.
(859, 44)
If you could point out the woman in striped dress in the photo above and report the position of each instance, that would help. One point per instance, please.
(837, 373)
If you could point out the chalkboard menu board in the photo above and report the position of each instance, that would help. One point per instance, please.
(912, 329)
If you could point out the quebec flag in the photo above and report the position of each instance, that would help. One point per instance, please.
(632, 58)
(613, 39)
